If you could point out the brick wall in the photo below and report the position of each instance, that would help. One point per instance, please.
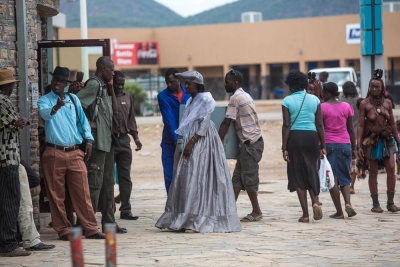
(8, 54)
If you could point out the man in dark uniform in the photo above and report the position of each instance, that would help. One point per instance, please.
(124, 124)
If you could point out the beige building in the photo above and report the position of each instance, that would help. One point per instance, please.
(264, 51)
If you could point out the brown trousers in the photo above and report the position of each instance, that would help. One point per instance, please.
(63, 169)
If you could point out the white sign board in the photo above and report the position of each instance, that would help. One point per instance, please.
(35, 95)
(353, 33)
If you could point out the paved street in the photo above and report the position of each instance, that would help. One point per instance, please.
(367, 239)
(278, 240)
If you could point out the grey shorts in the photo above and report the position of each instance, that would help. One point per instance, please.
(245, 176)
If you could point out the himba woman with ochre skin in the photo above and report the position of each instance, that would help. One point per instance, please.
(314, 86)
(376, 129)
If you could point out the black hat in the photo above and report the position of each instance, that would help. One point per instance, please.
(61, 74)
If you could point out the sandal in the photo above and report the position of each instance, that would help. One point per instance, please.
(251, 218)
(335, 216)
(350, 212)
(190, 231)
(317, 212)
(304, 220)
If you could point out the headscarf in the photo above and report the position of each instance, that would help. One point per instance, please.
(202, 105)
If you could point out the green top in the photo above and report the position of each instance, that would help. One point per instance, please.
(87, 96)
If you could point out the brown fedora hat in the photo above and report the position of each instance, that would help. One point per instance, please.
(6, 76)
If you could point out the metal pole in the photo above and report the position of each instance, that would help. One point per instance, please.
(84, 35)
(23, 92)
(373, 38)
(111, 244)
(76, 247)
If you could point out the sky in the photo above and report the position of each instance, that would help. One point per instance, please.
(191, 7)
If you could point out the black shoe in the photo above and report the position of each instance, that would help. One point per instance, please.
(121, 230)
(97, 235)
(41, 246)
(64, 237)
(128, 216)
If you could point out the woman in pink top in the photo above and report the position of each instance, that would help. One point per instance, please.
(338, 122)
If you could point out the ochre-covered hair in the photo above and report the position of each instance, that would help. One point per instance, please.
(312, 81)
(378, 74)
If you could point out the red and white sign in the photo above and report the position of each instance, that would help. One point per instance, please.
(131, 54)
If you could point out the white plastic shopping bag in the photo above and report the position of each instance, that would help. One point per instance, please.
(326, 178)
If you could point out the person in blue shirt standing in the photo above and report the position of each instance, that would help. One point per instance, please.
(169, 100)
(63, 161)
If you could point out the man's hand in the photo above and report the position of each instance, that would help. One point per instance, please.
(110, 88)
(60, 103)
(20, 122)
(286, 156)
(75, 87)
(188, 148)
(138, 144)
(93, 126)
(88, 151)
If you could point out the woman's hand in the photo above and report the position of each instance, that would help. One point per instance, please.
(322, 153)
(286, 156)
(188, 148)
(360, 154)
(354, 154)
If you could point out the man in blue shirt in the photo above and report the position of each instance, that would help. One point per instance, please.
(63, 164)
(169, 100)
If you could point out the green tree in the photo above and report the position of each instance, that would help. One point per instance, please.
(138, 94)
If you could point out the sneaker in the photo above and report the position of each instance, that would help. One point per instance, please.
(18, 252)
(41, 246)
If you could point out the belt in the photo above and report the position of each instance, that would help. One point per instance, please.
(247, 142)
(63, 148)
(119, 134)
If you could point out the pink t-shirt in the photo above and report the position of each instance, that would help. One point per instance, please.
(335, 118)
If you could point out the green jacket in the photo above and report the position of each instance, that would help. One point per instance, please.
(87, 96)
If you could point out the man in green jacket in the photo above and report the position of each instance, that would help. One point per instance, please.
(98, 100)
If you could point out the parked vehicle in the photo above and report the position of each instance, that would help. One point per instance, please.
(340, 76)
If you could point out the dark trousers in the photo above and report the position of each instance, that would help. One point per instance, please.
(9, 207)
(101, 183)
(167, 157)
(123, 159)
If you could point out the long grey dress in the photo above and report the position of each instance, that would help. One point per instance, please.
(201, 195)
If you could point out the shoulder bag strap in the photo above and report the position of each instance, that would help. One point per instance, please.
(99, 99)
(298, 113)
(77, 114)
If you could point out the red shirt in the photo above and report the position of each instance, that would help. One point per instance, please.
(179, 96)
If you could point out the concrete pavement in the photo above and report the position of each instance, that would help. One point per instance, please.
(367, 239)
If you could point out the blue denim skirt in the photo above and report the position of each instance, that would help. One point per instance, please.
(339, 156)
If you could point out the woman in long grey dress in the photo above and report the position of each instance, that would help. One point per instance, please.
(201, 197)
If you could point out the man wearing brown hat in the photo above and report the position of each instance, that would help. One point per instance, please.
(10, 123)
(66, 126)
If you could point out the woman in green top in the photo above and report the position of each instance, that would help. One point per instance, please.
(303, 141)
